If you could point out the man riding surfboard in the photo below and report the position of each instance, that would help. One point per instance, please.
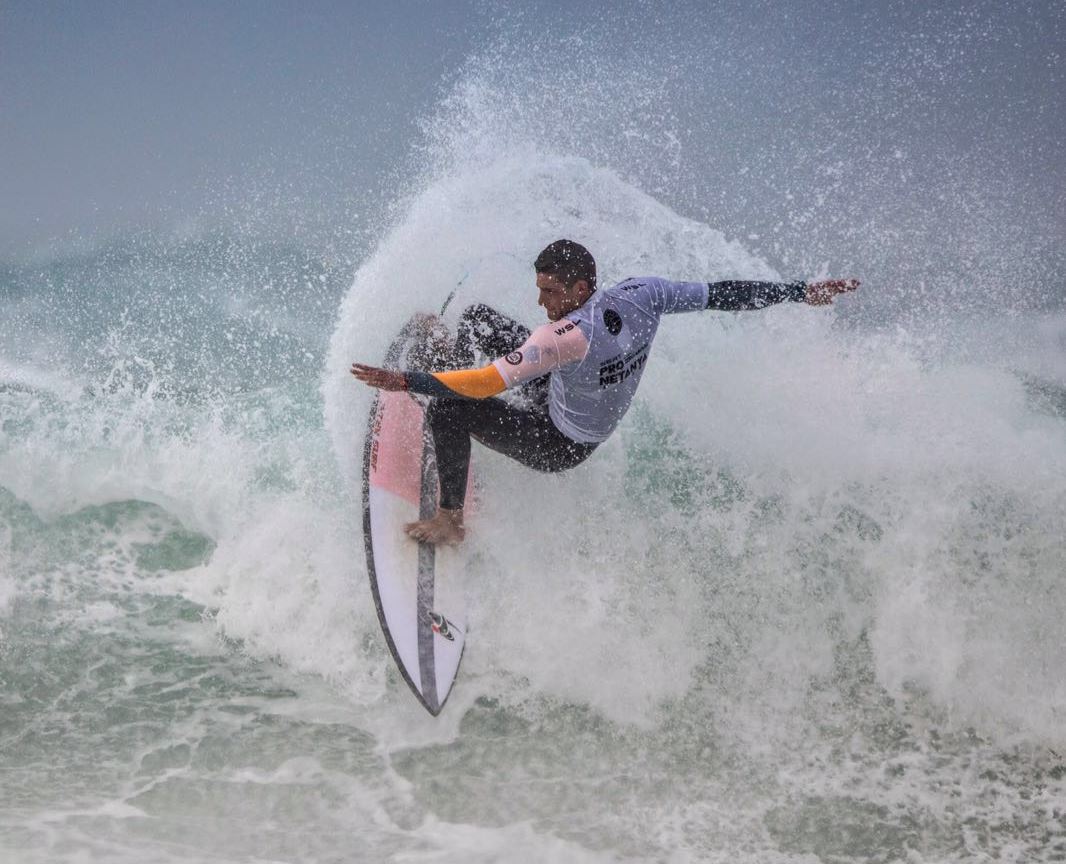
(580, 370)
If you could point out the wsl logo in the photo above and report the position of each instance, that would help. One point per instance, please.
(443, 627)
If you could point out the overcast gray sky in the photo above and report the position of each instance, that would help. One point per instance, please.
(116, 112)
(119, 115)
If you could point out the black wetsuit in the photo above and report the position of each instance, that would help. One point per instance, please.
(523, 432)
(526, 432)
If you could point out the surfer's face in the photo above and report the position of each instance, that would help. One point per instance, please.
(556, 298)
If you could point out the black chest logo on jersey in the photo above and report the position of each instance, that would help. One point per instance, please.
(612, 321)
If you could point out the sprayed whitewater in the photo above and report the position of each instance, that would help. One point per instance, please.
(804, 606)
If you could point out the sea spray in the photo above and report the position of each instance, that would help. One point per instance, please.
(804, 604)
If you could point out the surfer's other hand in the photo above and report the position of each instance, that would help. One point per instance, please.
(822, 293)
(383, 379)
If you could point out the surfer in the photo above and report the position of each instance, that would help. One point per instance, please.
(579, 371)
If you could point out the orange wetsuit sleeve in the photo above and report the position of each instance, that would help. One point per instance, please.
(473, 383)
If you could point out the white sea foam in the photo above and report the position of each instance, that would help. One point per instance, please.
(813, 580)
(913, 493)
(580, 597)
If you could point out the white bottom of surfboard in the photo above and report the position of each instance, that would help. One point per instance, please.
(419, 590)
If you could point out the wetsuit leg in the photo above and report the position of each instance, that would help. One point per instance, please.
(526, 435)
(482, 329)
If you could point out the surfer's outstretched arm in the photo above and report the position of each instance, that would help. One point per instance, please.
(550, 347)
(460, 384)
(733, 295)
(738, 295)
(666, 297)
(464, 383)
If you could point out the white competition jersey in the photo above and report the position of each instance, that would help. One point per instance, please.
(597, 353)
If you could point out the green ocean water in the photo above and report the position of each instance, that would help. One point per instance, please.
(805, 606)
(190, 667)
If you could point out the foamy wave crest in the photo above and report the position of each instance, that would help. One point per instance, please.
(791, 500)
(480, 231)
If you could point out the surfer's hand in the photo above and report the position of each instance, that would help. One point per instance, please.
(822, 293)
(383, 379)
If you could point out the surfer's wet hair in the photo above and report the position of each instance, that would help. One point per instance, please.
(569, 261)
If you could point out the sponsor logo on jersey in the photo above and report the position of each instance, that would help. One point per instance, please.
(442, 626)
(514, 358)
(566, 328)
(612, 321)
(617, 370)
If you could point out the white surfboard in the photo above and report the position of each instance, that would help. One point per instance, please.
(417, 587)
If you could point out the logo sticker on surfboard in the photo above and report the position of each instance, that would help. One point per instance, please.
(442, 626)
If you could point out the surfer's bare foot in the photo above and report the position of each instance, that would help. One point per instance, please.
(445, 527)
